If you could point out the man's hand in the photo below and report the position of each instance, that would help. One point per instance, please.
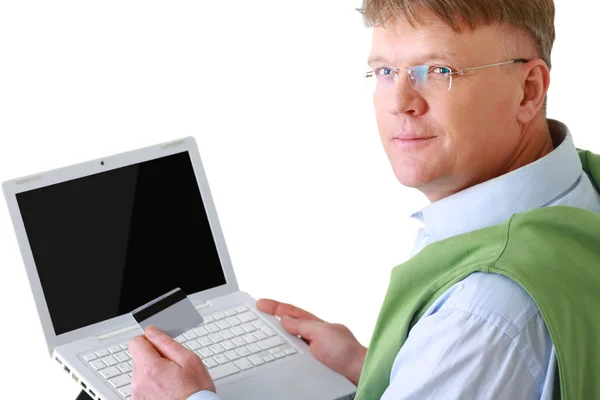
(332, 344)
(165, 370)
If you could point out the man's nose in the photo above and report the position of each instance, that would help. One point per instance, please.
(404, 99)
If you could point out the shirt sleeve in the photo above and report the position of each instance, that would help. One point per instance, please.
(204, 395)
(454, 354)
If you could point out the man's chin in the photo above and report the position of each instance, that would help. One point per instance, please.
(413, 178)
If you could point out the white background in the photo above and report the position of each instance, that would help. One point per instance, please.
(273, 93)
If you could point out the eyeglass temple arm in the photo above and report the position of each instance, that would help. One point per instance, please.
(521, 60)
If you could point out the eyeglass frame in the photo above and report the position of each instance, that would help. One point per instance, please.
(450, 74)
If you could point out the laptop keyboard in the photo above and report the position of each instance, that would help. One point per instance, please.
(228, 342)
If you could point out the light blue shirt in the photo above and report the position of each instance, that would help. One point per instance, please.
(484, 337)
(204, 395)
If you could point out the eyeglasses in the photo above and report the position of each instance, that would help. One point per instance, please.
(421, 77)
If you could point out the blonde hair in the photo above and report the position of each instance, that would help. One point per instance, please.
(535, 17)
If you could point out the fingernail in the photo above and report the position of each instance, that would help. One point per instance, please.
(152, 331)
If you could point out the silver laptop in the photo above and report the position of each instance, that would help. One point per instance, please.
(101, 238)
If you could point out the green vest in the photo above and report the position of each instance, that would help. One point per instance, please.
(552, 252)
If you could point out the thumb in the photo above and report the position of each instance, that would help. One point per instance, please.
(166, 346)
(306, 328)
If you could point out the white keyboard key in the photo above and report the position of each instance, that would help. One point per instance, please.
(230, 313)
(125, 367)
(109, 361)
(125, 346)
(128, 353)
(110, 372)
(114, 349)
(243, 352)
(246, 317)
(250, 338)
(121, 357)
(130, 363)
(271, 342)
(268, 358)
(201, 331)
(97, 364)
(223, 370)
(215, 337)
(190, 334)
(210, 362)
(238, 341)
(268, 331)
(275, 350)
(238, 331)
(90, 357)
(187, 345)
(120, 381)
(193, 345)
(248, 327)
(228, 344)
(241, 309)
(206, 352)
(290, 351)
(254, 348)
(243, 363)
(227, 334)
(208, 320)
(258, 323)
(219, 315)
(217, 348)
(212, 328)
(102, 353)
(205, 341)
(256, 360)
(223, 324)
(125, 391)
(260, 334)
(233, 321)
(232, 355)
(180, 339)
(279, 355)
(221, 359)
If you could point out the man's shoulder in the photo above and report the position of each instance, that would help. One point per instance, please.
(494, 298)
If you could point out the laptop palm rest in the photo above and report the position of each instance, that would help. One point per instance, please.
(298, 378)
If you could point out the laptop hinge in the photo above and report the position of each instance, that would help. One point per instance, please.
(117, 332)
(203, 305)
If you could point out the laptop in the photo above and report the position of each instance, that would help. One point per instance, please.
(100, 238)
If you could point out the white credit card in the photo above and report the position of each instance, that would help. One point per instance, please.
(172, 313)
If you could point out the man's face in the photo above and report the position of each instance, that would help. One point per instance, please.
(468, 134)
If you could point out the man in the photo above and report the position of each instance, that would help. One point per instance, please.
(467, 128)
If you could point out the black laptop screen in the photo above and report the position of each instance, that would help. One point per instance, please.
(107, 243)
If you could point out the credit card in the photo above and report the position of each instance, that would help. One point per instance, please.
(172, 313)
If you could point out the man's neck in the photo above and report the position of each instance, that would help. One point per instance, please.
(536, 143)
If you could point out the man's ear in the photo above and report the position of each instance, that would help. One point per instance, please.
(536, 80)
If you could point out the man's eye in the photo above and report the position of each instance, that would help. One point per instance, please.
(440, 70)
(384, 71)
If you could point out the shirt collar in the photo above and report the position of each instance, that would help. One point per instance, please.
(491, 202)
